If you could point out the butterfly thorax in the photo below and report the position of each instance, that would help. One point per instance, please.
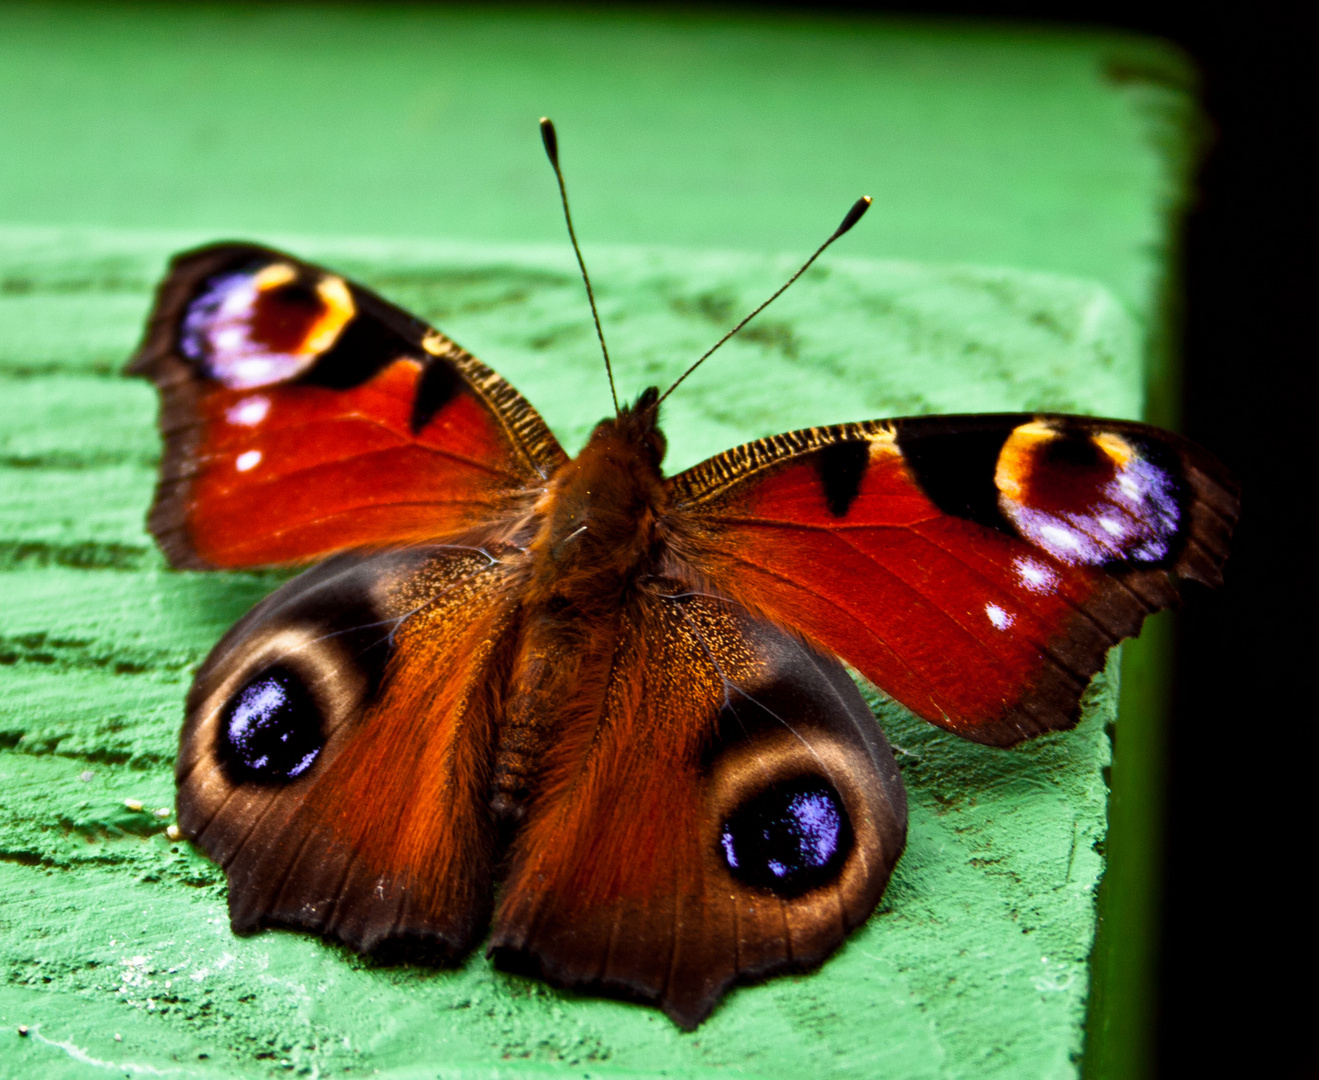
(596, 529)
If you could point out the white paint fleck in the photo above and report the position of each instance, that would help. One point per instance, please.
(124, 1068)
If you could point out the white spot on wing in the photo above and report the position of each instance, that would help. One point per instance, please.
(249, 411)
(1058, 538)
(998, 616)
(1035, 576)
(1130, 486)
(248, 460)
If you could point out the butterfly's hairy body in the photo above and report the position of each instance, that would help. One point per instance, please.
(598, 536)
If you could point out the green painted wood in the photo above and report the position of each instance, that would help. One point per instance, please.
(1058, 155)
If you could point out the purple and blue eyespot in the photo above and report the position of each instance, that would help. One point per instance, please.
(263, 324)
(789, 839)
(270, 730)
(1088, 498)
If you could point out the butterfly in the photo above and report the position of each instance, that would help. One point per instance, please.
(595, 711)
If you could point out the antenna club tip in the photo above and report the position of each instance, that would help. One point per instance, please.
(550, 139)
(853, 215)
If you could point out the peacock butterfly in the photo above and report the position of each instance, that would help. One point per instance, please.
(614, 694)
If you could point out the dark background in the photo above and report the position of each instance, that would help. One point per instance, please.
(1237, 963)
(1236, 988)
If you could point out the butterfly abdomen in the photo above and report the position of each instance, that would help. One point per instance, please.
(557, 684)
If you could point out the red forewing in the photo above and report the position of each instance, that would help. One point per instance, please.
(976, 568)
(303, 415)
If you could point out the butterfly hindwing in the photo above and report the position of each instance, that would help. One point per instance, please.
(335, 756)
(732, 811)
(977, 568)
(304, 415)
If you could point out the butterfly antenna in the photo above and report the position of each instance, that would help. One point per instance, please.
(551, 141)
(852, 217)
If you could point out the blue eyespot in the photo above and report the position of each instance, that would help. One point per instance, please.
(270, 731)
(789, 839)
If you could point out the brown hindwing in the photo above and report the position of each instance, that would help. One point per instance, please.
(734, 811)
(336, 756)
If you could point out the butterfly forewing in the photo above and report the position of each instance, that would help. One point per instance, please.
(303, 415)
(976, 568)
